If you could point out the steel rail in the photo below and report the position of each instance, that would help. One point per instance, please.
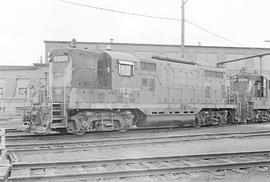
(131, 130)
(12, 134)
(110, 142)
(15, 136)
(149, 169)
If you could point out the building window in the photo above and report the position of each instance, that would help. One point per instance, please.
(148, 66)
(46, 75)
(19, 109)
(1, 91)
(144, 82)
(2, 109)
(22, 91)
(209, 59)
(207, 92)
(145, 54)
(151, 85)
(213, 74)
(223, 91)
(126, 68)
(176, 55)
(239, 64)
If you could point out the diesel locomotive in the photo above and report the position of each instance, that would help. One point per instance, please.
(91, 90)
(253, 92)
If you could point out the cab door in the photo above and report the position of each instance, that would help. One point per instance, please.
(104, 74)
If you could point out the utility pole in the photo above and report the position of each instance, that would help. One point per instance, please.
(183, 29)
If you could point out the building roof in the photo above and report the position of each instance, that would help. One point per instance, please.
(160, 45)
(41, 64)
(16, 67)
(10, 68)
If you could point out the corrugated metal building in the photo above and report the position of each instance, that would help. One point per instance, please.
(207, 55)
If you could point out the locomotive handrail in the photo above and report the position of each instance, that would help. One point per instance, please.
(74, 68)
(159, 81)
(64, 95)
(234, 94)
(238, 102)
(3, 144)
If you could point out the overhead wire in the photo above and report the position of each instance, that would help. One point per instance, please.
(157, 17)
(119, 11)
(214, 34)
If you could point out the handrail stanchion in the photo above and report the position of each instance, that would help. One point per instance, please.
(3, 143)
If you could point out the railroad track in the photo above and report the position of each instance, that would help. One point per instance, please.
(86, 142)
(18, 133)
(27, 146)
(119, 168)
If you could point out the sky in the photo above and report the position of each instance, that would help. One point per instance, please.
(24, 25)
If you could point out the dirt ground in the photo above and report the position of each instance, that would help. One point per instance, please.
(173, 149)
(11, 121)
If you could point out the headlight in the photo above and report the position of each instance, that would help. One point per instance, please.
(58, 91)
(235, 78)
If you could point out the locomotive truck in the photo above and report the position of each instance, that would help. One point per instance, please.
(92, 90)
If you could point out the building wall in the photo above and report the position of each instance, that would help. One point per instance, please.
(207, 55)
(14, 81)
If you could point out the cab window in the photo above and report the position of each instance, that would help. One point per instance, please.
(126, 68)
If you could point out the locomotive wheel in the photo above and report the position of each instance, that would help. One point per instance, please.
(79, 133)
(117, 126)
(231, 118)
(196, 122)
(74, 128)
(98, 126)
(62, 130)
(81, 122)
(123, 129)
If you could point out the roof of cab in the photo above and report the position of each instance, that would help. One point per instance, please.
(266, 76)
(122, 56)
(112, 54)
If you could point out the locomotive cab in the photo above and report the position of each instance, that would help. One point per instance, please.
(76, 82)
(91, 89)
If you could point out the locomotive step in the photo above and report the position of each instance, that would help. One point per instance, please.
(57, 118)
(56, 108)
(56, 104)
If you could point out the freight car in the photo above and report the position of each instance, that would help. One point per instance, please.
(92, 90)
